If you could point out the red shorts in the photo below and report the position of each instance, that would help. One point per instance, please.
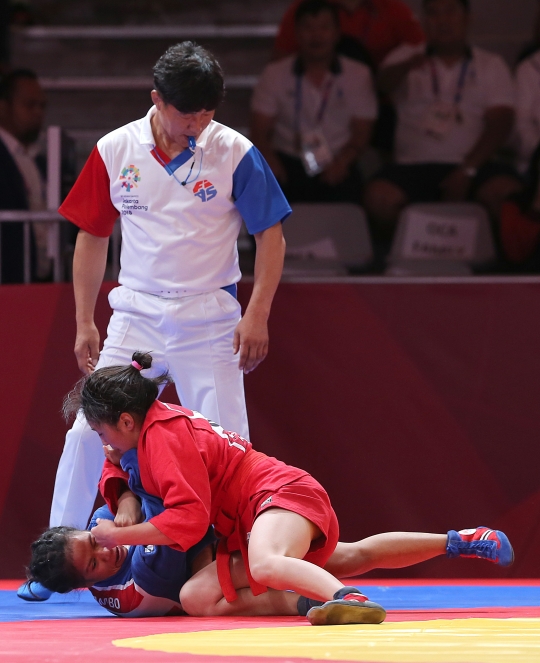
(300, 493)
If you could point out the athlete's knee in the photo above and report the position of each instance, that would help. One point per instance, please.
(195, 600)
(267, 570)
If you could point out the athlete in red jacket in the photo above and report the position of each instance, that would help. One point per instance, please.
(205, 475)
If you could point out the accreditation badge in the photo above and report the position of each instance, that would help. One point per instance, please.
(439, 119)
(314, 151)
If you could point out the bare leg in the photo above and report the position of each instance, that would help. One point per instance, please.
(496, 190)
(390, 550)
(383, 201)
(202, 596)
(278, 543)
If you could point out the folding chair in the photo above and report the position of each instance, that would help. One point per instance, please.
(326, 239)
(441, 239)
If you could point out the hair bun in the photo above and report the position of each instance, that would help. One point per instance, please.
(144, 359)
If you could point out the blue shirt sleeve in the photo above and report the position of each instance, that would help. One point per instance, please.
(257, 194)
(102, 512)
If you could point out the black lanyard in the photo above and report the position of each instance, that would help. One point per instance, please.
(298, 102)
(435, 85)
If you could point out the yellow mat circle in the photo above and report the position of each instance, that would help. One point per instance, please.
(437, 641)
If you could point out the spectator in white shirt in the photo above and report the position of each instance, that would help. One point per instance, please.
(22, 187)
(528, 108)
(313, 113)
(455, 106)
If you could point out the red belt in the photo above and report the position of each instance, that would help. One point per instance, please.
(225, 525)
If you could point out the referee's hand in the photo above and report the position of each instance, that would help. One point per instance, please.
(250, 342)
(87, 347)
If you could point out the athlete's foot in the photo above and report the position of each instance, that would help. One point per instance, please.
(349, 606)
(481, 542)
(33, 591)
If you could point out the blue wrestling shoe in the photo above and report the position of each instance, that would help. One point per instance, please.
(482, 542)
(33, 591)
(349, 606)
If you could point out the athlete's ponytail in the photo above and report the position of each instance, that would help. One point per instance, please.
(103, 395)
(51, 564)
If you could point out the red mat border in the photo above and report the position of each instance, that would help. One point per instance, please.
(88, 640)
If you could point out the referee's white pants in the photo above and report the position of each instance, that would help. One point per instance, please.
(192, 338)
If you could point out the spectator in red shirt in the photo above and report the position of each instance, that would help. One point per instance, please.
(379, 25)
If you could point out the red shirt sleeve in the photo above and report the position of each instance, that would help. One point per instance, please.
(88, 204)
(175, 467)
(520, 232)
(285, 42)
(113, 480)
(406, 25)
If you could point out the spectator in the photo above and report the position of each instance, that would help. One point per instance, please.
(378, 25)
(455, 106)
(534, 45)
(520, 216)
(4, 35)
(520, 221)
(313, 113)
(22, 108)
(528, 109)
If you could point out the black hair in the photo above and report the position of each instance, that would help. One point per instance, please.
(51, 564)
(103, 395)
(189, 77)
(9, 82)
(314, 8)
(466, 4)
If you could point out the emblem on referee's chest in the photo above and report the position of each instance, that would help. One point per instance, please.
(205, 190)
(130, 177)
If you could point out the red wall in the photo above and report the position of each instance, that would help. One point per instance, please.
(414, 405)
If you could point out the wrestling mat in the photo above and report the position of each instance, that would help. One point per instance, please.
(428, 622)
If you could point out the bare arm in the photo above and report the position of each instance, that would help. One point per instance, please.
(108, 534)
(129, 510)
(360, 133)
(498, 123)
(89, 263)
(262, 129)
(527, 107)
(251, 333)
(391, 77)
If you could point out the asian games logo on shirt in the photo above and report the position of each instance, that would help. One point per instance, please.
(204, 190)
(130, 177)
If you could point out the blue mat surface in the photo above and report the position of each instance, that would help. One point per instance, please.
(76, 605)
(447, 597)
(393, 597)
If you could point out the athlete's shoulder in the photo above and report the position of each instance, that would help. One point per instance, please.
(160, 410)
(161, 416)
